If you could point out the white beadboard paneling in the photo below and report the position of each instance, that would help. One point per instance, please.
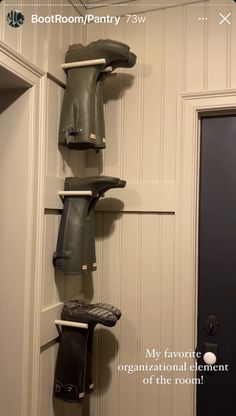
(42, 38)
(73, 285)
(153, 93)
(48, 271)
(67, 28)
(106, 347)
(11, 36)
(52, 200)
(93, 160)
(28, 35)
(53, 284)
(167, 297)
(53, 114)
(196, 47)
(111, 246)
(232, 51)
(138, 276)
(150, 307)
(64, 155)
(71, 32)
(93, 281)
(129, 302)
(114, 110)
(134, 36)
(54, 45)
(217, 62)
(79, 31)
(174, 58)
(97, 32)
(48, 330)
(1, 23)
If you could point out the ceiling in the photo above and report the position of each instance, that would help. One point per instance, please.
(121, 8)
(95, 2)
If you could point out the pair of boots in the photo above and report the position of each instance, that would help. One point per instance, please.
(75, 252)
(82, 124)
(73, 373)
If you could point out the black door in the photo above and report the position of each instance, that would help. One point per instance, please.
(217, 266)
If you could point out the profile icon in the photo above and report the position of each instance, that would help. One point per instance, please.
(15, 18)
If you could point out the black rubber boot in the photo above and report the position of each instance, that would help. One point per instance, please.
(75, 305)
(91, 314)
(100, 142)
(89, 384)
(75, 252)
(71, 378)
(70, 372)
(75, 308)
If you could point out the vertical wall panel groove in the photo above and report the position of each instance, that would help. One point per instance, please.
(141, 99)
(205, 50)
(217, 50)
(120, 230)
(229, 47)
(138, 323)
(184, 45)
(196, 48)
(163, 83)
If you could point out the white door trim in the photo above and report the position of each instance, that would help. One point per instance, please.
(16, 62)
(190, 106)
(37, 79)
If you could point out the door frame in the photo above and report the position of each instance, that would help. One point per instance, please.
(190, 107)
(37, 80)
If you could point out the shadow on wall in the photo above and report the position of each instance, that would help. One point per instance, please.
(114, 89)
(104, 229)
(76, 285)
(111, 204)
(106, 226)
(116, 85)
(8, 97)
(107, 346)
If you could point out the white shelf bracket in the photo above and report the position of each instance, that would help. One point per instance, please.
(71, 323)
(75, 193)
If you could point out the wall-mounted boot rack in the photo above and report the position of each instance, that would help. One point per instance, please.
(75, 193)
(90, 62)
(71, 323)
(82, 127)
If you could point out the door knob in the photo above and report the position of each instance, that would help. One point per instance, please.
(209, 358)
